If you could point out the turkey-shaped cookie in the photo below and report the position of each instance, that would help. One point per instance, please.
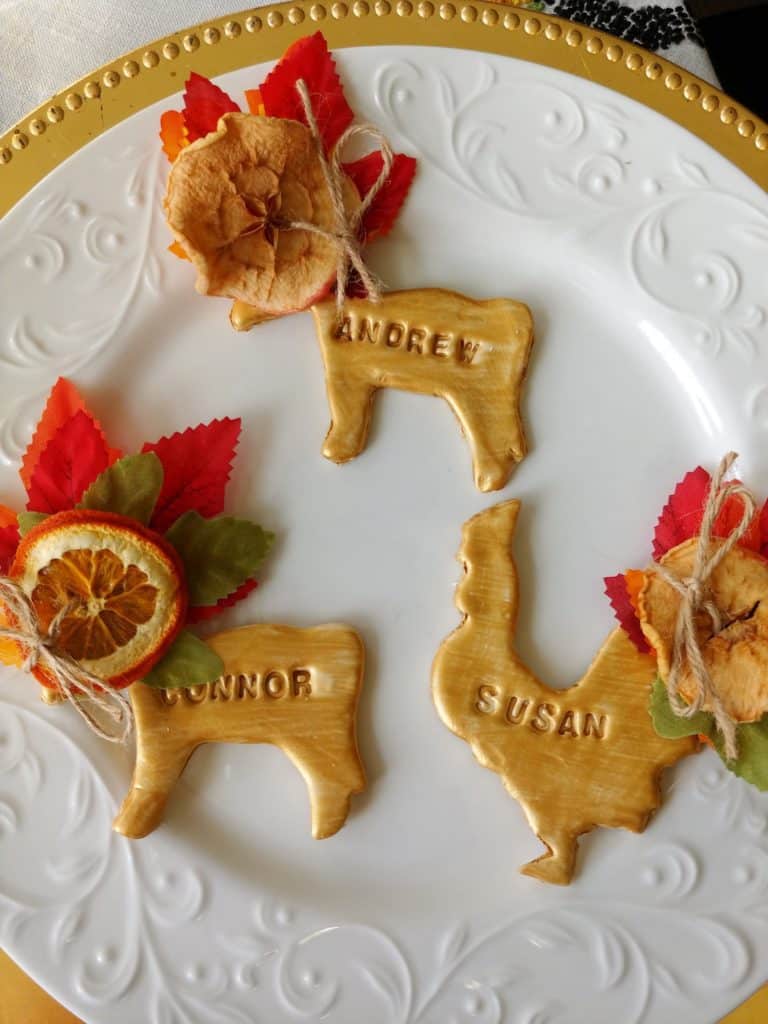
(573, 758)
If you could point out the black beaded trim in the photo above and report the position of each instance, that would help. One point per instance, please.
(653, 26)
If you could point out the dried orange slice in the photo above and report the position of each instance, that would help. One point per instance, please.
(736, 656)
(228, 195)
(112, 591)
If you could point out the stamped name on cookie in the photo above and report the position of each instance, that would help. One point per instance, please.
(541, 717)
(276, 684)
(419, 339)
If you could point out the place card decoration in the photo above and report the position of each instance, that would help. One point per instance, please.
(101, 577)
(700, 611)
(473, 354)
(294, 688)
(271, 216)
(574, 758)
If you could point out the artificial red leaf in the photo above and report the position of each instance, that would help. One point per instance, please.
(309, 60)
(9, 541)
(73, 458)
(204, 104)
(63, 402)
(681, 516)
(196, 464)
(730, 517)
(383, 211)
(618, 594)
(202, 614)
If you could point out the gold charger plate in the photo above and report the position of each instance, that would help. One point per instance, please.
(115, 91)
(72, 118)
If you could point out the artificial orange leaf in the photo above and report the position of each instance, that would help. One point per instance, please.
(173, 133)
(635, 580)
(204, 104)
(383, 211)
(178, 250)
(7, 517)
(310, 60)
(254, 101)
(73, 458)
(196, 467)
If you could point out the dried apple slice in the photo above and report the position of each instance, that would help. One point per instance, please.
(228, 200)
(736, 656)
(113, 590)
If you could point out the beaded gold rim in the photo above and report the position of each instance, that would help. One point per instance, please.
(89, 107)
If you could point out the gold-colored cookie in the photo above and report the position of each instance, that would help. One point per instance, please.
(574, 758)
(295, 688)
(472, 353)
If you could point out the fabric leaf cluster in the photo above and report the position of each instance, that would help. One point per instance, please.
(175, 487)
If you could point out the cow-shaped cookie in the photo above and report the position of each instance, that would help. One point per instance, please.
(472, 353)
(295, 688)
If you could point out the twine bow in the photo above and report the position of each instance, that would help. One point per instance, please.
(346, 229)
(106, 711)
(696, 597)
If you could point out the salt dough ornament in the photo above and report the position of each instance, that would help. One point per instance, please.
(113, 557)
(472, 353)
(270, 215)
(294, 688)
(574, 758)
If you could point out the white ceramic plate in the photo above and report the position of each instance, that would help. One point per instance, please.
(642, 253)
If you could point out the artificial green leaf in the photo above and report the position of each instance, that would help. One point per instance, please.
(752, 762)
(129, 486)
(27, 520)
(672, 726)
(219, 554)
(188, 662)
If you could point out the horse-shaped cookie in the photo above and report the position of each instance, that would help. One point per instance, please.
(295, 688)
(574, 758)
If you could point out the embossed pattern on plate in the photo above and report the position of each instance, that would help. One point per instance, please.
(650, 358)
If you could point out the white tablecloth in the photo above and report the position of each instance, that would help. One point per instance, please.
(46, 44)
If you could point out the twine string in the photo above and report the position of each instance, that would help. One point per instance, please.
(345, 234)
(696, 597)
(106, 711)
